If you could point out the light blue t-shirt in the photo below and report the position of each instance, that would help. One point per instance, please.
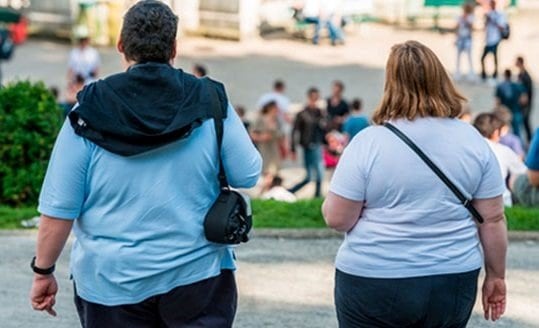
(139, 219)
(412, 224)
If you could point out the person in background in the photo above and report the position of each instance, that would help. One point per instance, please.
(494, 24)
(278, 94)
(200, 70)
(136, 197)
(511, 95)
(73, 89)
(412, 252)
(337, 108)
(506, 137)
(464, 39)
(526, 81)
(276, 191)
(309, 131)
(526, 186)
(356, 121)
(83, 60)
(511, 166)
(240, 110)
(266, 135)
(335, 143)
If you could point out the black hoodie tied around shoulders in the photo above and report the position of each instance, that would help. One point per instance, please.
(146, 107)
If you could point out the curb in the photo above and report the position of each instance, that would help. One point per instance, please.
(322, 233)
(287, 233)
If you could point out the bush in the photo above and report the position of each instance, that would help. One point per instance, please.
(29, 121)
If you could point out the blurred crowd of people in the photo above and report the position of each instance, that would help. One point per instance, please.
(322, 129)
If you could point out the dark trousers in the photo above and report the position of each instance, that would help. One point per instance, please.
(526, 111)
(207, 303)
(442, 301)
(312, 161)
(493, 49)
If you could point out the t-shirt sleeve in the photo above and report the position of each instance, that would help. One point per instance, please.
(349, 180)
(492, 183)
(532, 160)
(241, 160)
(64, 188)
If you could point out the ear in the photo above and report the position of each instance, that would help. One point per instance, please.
(120, 46)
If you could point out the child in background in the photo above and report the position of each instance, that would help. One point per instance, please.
(277, 192)
(336, 142)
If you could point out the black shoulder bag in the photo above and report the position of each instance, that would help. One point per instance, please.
(463, 199)
(229, 220)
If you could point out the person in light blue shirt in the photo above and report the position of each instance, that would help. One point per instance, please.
(134, 172)
(357, 121)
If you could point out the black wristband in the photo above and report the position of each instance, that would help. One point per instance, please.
(40, 270)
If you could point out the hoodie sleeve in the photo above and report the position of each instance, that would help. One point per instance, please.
(241, 160)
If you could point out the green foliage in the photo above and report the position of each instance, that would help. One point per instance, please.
(10, 218)
(29, 122)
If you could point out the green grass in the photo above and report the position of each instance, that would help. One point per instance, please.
(10, 218)
(303, 214)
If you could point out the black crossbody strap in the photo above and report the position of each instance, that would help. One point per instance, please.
(217, 112)
(463, 199)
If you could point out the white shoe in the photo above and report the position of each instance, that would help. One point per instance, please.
(31, 223)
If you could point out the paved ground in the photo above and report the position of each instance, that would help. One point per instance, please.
(282, 283)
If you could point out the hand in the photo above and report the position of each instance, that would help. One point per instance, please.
(43, 293)
(494, 298)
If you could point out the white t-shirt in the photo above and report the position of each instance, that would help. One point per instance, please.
(282, 101)
(493, 33)
(84, 61)
(412, 224)
(280, 194)
(510, 164)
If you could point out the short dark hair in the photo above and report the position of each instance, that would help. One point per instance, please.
(487, 124)
(276, 181)
(268, 106)
(339, 84)
(507, 74)
(357, 104)
(148, 32)
(278, 85)
(312, 90)
(520, 59)
(200, 70)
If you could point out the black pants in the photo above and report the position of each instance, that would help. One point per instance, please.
(208, 303)
(493, 49)
(527, 116)
(443, 301)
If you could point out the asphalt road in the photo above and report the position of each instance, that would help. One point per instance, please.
(282, 283)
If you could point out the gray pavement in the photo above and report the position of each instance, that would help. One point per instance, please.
(282, 283)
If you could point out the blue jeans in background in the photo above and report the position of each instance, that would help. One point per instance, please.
(312, 161)
(335, 32)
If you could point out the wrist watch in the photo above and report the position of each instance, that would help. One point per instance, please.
(40, 270)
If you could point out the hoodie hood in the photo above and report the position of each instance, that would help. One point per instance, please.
(146, 107)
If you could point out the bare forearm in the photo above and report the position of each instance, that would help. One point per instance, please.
(493, 237)
(52, 236)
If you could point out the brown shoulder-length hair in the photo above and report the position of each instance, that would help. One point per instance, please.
(417, 85)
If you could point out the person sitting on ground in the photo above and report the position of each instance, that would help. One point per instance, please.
(266, 135)
(526, 186)
(84, 59)
(508, 138)
(277, 192)
(511, 166)
(357, 121)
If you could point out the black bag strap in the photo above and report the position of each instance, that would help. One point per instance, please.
(463, 199)
(217, 112)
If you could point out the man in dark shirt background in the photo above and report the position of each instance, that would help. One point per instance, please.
(525, 79)
(512, 95)
(337, 107)
(310, 129)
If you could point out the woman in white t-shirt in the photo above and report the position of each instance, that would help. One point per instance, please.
(412, 252)
(464, 39)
